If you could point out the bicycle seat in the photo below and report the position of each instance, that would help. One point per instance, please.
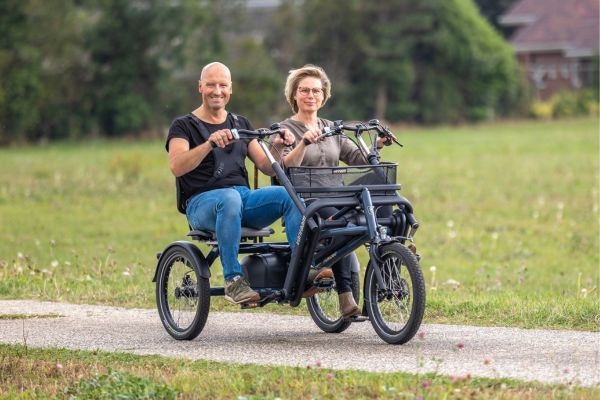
(247, 233)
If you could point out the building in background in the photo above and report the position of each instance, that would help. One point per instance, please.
(556, 42)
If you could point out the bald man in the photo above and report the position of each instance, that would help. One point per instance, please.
(209, 165)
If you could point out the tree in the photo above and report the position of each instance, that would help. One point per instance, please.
(427, 61)
(20, 68)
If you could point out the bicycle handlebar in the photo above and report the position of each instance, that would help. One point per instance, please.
(260, 133)
(358, 128)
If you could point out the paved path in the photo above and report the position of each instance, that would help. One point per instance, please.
(524, 354)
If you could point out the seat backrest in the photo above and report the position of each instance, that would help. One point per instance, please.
(180, 196)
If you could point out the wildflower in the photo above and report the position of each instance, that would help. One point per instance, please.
(318, 363)
(433, 285)
(488, 360)
(54, 263)
(460, 346)
(452, 283)
(20, 256)
(426, 384)
(330, 376)
(421, 335)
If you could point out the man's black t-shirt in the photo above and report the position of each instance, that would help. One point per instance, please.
(199, 179)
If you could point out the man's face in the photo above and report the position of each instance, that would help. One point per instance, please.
(215, 87)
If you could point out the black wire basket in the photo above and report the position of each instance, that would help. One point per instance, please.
(311, 182)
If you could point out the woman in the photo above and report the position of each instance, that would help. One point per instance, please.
(307, 89)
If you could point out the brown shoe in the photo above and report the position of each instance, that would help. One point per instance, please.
(315, 275)
(348, 306)
(238, 291)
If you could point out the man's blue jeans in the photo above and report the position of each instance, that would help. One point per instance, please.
(225, 211)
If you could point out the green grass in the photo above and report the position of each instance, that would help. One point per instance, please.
(49, 374)
(509, 218)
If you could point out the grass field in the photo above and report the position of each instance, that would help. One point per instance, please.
(509, 222)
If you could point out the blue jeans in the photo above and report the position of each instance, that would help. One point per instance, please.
(225, 211)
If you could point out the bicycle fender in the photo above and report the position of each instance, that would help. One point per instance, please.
(197, 258)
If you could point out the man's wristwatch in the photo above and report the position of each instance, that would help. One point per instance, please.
(212, 144)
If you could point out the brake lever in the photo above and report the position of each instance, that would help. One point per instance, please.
(386, 133)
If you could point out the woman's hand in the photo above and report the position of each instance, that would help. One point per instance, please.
(383, 141)
(311, 136)
(287, 139)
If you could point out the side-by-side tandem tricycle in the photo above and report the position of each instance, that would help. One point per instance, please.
(370, 213)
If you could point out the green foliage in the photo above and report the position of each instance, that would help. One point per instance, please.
(115, 67)
(127, 46)
(21, 73)
(431, 61)
(119, 386)
(257, 85)
(566, 104)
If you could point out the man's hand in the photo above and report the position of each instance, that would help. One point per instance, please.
(221, 138)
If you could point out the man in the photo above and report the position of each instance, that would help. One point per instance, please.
(210, 168)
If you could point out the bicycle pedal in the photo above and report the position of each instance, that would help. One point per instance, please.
(358, 318)
(246, 306)
(324, 283)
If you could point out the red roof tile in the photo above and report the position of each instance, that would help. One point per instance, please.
(568, 25)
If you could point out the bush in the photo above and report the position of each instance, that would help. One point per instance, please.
(566, 104)
(571, 104)
(541, 109)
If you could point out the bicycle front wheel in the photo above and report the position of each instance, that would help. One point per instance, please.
(395, 309)
(324, 308)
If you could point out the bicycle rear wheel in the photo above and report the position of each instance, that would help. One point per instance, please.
(182, 295)
(396, 309)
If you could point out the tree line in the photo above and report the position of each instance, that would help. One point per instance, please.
(78, 68)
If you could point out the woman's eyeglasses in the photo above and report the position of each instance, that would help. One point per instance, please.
(304, 91)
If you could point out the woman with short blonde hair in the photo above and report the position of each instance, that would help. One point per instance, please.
(307, 89)
(297, 75)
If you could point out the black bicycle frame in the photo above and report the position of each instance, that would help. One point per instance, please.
(313, 229)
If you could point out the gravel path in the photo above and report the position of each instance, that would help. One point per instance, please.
(259, 338)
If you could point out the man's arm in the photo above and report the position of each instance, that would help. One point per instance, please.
(182, 160)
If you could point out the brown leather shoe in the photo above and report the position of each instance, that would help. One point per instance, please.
(348, 306)
(315, 275)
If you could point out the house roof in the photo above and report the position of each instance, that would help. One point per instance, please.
(571, 26)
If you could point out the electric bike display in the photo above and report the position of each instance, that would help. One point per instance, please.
(369, 212)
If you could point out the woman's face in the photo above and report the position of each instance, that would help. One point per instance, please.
(309, 95)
